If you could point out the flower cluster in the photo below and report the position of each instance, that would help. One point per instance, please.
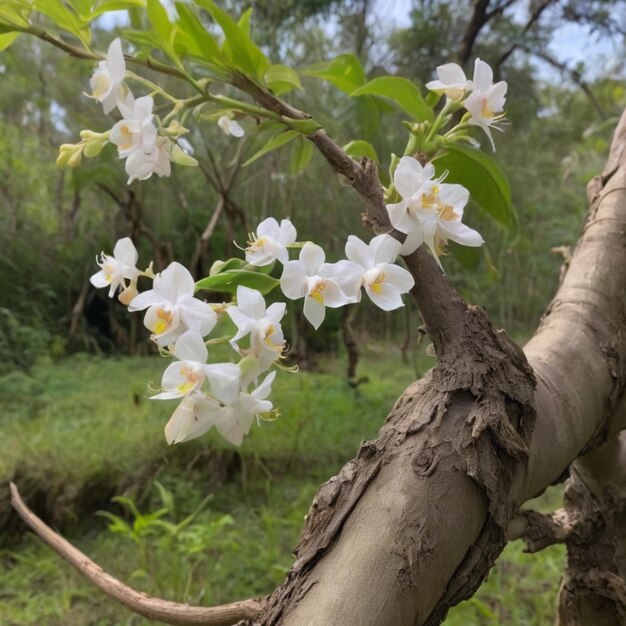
(485, 102)
(228, 395)
(331, 285)
(430, 211)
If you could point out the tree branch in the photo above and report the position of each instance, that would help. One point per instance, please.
(534, 17)
(442, 308)
(141, 603)
(479, 18)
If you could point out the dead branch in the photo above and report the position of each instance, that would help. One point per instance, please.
(138, 602)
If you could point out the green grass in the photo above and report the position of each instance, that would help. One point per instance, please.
(78, 432)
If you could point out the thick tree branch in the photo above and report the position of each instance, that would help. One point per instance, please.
(480, 17)
(141, 603)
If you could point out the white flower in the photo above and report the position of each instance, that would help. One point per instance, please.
(197, 413)
(187, 375)
(270, 242)
(193, 417)
(409, 179)
(115, 269)
(137, 140)
(383, 281)
(452, 81)
(135, 130)
(235, 420)
(315, 281)
(141, 164)
(486, 102)
(172, 309)
(430, 211)
(107, 80)
(230, 127)
(263, 325)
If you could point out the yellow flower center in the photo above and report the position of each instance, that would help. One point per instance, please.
(377, 284)
(486, 111)
(430, 200)
(317, 291)
(127, 137)
(192, 379)
(446, 212)
(101, 84)
(164, 321)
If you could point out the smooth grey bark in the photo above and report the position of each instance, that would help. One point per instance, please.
(412, 525)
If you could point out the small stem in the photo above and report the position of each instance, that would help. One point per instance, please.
(244, 106)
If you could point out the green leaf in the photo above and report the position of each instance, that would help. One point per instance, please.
(222, 266)
(301, 156)
(345, 72)
(106, 6)
(206, 47)
(242, 51)
(281, 79)
(361, 148)
(64, 18)
(401, 91)
(6, 39)
(275, 142)
(160, 21)
(244, 21)
(484, 179)
(229, 280)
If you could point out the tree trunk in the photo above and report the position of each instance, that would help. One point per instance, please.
(412, 525)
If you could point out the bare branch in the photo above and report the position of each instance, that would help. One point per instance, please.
(540, 530)
(136, 601)
(479, 18)
(574, 75)
(532, 20)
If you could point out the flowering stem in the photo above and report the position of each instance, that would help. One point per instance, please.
(244, 107)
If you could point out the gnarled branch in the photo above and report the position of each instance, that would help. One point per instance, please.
(136, 601)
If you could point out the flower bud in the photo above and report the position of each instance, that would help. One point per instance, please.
(180, 157)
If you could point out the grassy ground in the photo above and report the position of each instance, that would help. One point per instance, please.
(77, 433)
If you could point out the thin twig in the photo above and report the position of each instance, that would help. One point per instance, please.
(138, 602)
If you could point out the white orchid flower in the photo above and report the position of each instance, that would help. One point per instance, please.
(430, 211)
(409, 180)
(107, 80)
(235, 420)
(137, 140)
(486, 102)
(263, 325)
(118, 268)
(230, 127)
(172, 309)
(383, 281)
(135, 130)
(315, 281)
(140, 164)
(193, 417)
(270, 242)
(188, 374)
(452, 81)
(197, 413)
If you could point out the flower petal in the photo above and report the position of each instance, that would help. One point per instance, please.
(384, 249)
(459, 232)
(268, 228)
(386, 297)
(288, 233)
(314, 312)
(293, 280)
(483, 76)
(191, 347)
(174, 282)
(408, 176)
(193, 417)
(311, 257)
(197, 315)
(152, 297)
(359, 252)
(251, 302)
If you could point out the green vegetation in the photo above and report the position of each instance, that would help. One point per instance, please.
(81, 431)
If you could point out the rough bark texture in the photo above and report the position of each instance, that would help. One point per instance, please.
(594, 587)
(412, 524)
